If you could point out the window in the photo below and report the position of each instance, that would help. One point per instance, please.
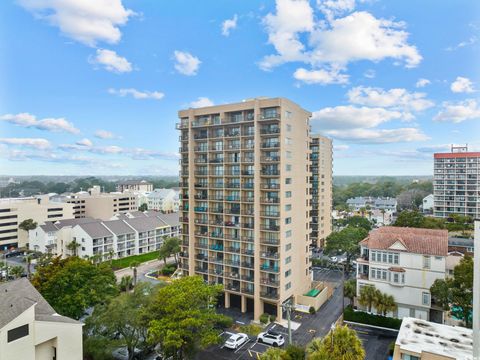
(289, 155)
(288, 194)
(288, 246)
(426, 298)
(288, 220)
(288, 141)
(288, 273)
(395, 278)
(288, 285)
(288, 181)
(410, 357)
(17, 333)
(288, 260)
(438, 258)
(288, 233)
(288, 167)
(395, 259)
(289, 127)
(288, 207)
(426, 262)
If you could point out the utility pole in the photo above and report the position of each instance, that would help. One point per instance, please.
(288, 307)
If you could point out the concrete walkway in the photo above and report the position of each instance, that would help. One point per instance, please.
(143, 269)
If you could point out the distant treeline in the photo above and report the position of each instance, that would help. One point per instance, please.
(408, 194)
(29, 188)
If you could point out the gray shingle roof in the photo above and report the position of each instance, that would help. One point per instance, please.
(143, 224)
(118, 227)
(96, 229)
(172, 219)
(52, 226)
(19, 295)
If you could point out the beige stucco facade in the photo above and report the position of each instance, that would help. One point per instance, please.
(245, 197)
(15, 210)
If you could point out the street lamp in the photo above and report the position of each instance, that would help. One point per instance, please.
(332, 328)
(287, 306)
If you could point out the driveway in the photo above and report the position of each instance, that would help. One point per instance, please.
(144, 269)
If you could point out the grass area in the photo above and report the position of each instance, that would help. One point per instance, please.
(251, 330)
(369, 319)
(126, 261)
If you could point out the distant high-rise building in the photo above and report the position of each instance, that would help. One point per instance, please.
(321, 160)
(245, 200)
(456, 186)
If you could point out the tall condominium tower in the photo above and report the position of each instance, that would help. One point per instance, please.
(457, 183)
(321, 160)
(245, 198)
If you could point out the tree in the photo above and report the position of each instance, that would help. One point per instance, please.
(340, 343)
(28, 260)
(456, 294)
(368, 296)
(28, 225)
(16, 271)
(358, 221)
(124, 319)
(385, 303)
(346, 241)
(72, 285)
(73, 246)
(111, 255)
(409, 219)
(126, 283)
(170, 246)
(143, 207)
(184, 317)
(274, 354)
(134, 265)
(350, 290)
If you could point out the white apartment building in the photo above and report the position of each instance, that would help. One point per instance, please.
(380, 217)
(124, 236)
(371, 203)
(30, 329)
(15, 210)
(456, 186)
(134, 185)
(404, 263)
(164, 200)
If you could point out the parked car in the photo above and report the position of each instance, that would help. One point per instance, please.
(271, 338)
(334, 259)
(236, 340)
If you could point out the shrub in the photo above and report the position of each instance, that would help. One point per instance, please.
(369, 319)
(264, 318)
(312, 310)
(295, 352)
(251, 330)
(273, 318)
(168, 270)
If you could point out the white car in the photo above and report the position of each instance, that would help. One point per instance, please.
(236, 340)
(271, 338)
(334, 259)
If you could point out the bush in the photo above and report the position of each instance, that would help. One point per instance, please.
(391, 348)
(376, 320)
(312, 310)
(168, 270)
(264, 318)
(251, 330)
(295, 352)
(273, 318)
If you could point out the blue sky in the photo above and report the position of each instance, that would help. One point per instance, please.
(93, 87)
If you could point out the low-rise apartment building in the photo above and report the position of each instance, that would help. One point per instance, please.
(404, 263)
(371, 203)
(13, 211)
(164, 200)
(134, 185)
(30, 329)
(423, 340)
(99, 205)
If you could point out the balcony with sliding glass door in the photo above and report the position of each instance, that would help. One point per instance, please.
(270, 130)
(270, 170)
(270, 114)
(270, 156)
(232, 158)
(270, 197)
(270, 143)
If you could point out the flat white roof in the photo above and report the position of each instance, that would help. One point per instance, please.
(419, 336)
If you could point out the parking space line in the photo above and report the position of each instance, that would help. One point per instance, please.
(246, 342)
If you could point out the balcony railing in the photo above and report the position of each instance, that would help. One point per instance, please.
(269, 282)
(270, 186)
(269, 268)
(269, 295)
(248, 265)
(270, 200)
(269, 241)
(270, 227)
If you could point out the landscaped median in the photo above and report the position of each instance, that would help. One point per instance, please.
(369, 319)
(125, 262)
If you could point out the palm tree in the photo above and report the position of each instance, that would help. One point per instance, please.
(28, 260)
(368, 296)
(133, 266)
(96, 259)
(73, 246)
(340, 343)
(383, 215)
(385, 303)
(126, 283)
(111, 254)
(17, 271)
(350, 290)
(273, 354)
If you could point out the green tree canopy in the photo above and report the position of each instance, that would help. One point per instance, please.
(359, 222)
(341, 343)
(72, 285)
(346, 240)
(185, 318)
(143, 207)
(28, 225)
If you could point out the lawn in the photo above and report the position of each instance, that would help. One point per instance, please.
(126, 261)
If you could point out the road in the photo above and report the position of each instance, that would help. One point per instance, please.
(144, 269)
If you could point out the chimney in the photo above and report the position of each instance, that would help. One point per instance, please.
(476, 292)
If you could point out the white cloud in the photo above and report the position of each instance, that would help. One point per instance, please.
(422, 83)
(201, 102)
(459, 111)
(104, 134)
(137, 94)
(462, 85)
(470, 41)
(379, 136)
(85, 142)
(347, 117)
(186, 63)
(49, 124)
(111, 61)
(341, 147)
(321, 76)
(333, 8)
(37, 143)
(399, 99)
(86, 21)
(369, 74)
(229, 25)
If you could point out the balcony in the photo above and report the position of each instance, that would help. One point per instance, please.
(248, 199)
(270, 115)
(270, 172)
(200, 209)
(270, 255)
(270, 213)
(232, 287)
(201, 185)
(248, 252)
(235, 250)
(269, 241)
(270, 130)
(269, 268)
(248, 239)
(248, 265)
(269, 295)
(201, 269)
(273, 186)
(230, 262)
(270, 200)
(270, 159)
(270, 227)
(216, 247)
(247, 278)
(248, 225)
(270, 145)
(247, 290)
(269, 282)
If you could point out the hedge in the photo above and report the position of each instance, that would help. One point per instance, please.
(369, 319)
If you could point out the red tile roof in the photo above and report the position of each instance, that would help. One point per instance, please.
(418, 241)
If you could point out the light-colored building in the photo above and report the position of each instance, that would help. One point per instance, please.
(13, 211)
(423, 340)
(99, 205)
(404, 263)
(30, 329)
(371, 203)
(321, 168)
(135, 185)
(164, 200)
(245, 197)
(127, 234)
(427, 204)
(380, 217)
(456, 185)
